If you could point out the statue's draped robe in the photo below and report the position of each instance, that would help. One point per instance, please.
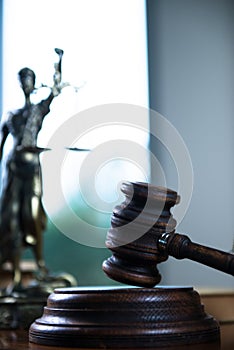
(22, 216)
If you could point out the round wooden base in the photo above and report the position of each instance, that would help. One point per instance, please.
(124, 318)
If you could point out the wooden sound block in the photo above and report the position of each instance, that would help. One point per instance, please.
(125, 318)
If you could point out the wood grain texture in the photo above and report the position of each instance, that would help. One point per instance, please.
(18, 340)
(142, 235)
(136, 225)
(124, 318)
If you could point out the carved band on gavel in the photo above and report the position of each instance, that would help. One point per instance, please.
(142, 234)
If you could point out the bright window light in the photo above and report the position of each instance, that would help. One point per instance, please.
(105, 55)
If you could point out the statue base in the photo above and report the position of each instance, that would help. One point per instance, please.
(125, 318)
(19, 313)
(20, 307)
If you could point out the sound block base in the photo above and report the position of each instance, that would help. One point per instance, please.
(125, 318)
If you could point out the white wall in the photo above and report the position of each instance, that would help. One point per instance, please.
(191, 61)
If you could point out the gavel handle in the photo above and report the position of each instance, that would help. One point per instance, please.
(181, 247)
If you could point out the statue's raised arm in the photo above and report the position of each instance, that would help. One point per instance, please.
(57, 87)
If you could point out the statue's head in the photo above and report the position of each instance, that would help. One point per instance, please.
(27, 80)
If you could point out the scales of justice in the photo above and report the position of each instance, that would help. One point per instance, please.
(139, 314)
(22, 215)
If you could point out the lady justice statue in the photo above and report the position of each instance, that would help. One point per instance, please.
(22, 216)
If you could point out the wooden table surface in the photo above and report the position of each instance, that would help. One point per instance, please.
(18, 340)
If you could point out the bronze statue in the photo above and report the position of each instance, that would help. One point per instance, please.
(22, 216)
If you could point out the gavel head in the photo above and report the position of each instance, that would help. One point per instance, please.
(136, 225)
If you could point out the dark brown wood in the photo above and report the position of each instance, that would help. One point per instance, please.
(135, 226)
(180, 247)
(18, 340)
(142, 234)
(125, 318)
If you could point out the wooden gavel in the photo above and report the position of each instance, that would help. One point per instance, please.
(142, 234)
